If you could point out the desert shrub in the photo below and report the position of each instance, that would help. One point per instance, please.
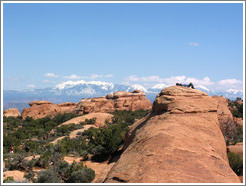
(236, 109)
(236, 163)
(103, 142)
(62, 130)
(32, 163)
(50, 156)
(238, 136)
(62, 169)
(128, 117)
(30, 176)
(9, 179)
(16, 162)
(61, 118)
(90, 121)
(78, 173)
(34, 146)
(86, 175)
(28, 119)
(49, 176)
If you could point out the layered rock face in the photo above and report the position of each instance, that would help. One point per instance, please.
(179, 142)
(119, 100)
(40, 109)
(225, 117)
(12, 112)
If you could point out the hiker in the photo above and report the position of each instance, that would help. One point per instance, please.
(185, 85)
(11, 149)
(27, 149)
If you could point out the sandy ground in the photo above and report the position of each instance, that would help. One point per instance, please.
(17, 175)
(73, 134)
(238, 148)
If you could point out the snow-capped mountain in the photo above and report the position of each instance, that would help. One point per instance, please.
(74, 91)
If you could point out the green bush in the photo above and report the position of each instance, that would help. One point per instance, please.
(236, 163)
(49, 176)
(9, 179)
(90, 121)
(86, 175)
(30, 176)
(16, 162)
(78, 173)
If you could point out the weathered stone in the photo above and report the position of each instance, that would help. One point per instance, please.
(179, 142)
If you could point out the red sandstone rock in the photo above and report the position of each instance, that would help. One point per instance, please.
(12, 112)
(40, 109)
(119, 100)
(179, 142)
(67, 107)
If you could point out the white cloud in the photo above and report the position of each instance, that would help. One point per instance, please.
(194, 44)
(73, 76)
(146, 78)
(31, 86)
(230, 81)
(109, 75)
(204, 83)
(51, 75)
(49, 81)
(94, 76)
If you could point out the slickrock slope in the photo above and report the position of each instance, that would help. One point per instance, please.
(119, 100)
(179, 142)
(40, 109)
(12, 112)
(100, 119)
(225, 117)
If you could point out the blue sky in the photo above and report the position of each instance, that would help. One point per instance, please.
(147, 44)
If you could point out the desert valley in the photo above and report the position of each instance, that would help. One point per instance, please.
(185, 136)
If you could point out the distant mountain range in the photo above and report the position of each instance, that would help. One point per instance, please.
(74, 91)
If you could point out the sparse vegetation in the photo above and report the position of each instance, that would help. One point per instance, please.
(100, 143)
(9, 179)
(236, 108)
(236, 163)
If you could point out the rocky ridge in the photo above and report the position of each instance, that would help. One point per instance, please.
(119, 100)
(179, 142)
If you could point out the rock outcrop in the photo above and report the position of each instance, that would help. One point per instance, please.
(119, 100)
(67, 107)
(12, 112)
(40, 109)
(226, 121)
(179, 142)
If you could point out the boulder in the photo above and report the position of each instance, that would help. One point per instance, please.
(179, 142)
(119, 100)
(40, 109)
(67, 107)
(12, 112)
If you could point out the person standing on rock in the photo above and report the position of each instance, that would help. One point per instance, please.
(27, 149)
(11, 149)
(185, 85)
